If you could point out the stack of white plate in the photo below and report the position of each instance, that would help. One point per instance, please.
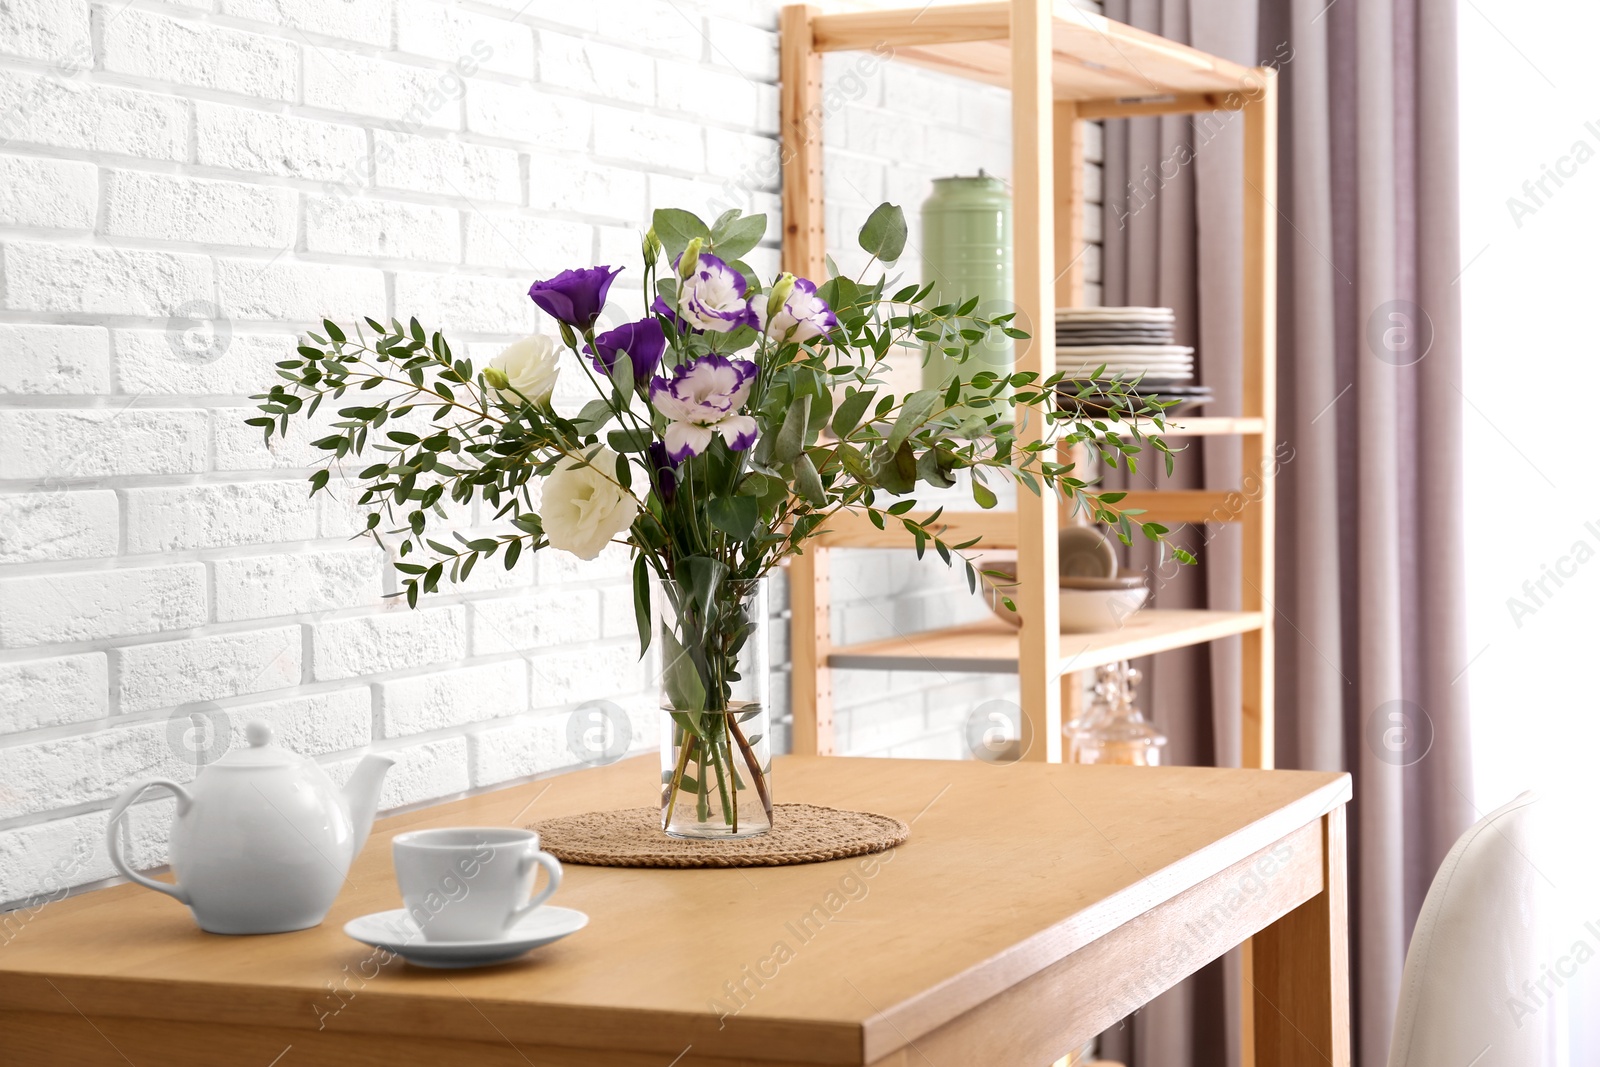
(1129, 342)
(1166, 363)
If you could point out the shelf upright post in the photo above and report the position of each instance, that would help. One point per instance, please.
(1257, 467)
(1260, 400)
(1033, 150)
(800, 72)
(1071, 248)
(1071, 232)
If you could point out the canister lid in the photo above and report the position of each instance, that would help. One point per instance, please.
(982, 179)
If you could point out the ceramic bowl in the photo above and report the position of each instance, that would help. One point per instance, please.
(1121, 581)
(1092, 611)
(1088, 611)
(1085, 552)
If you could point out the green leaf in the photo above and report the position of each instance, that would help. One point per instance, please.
(914, 411)
(622, 377)
(680, 676)
(595, 414)
(792, 437)
(734, 515)
(884, 234)
(983, 495)
(808, 482)
(677, 228)
(701, 576)
(896, 472)
(929, 470)
(632, 439)
(739, 237)
(850, 410)
(641, 601)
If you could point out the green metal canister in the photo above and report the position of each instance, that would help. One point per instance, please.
(966, 252)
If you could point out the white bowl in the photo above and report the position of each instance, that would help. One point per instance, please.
(1092, 611)
(1089, 611)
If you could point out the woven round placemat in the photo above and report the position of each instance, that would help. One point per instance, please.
(801, 833)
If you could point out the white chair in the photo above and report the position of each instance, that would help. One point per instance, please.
(1463, 999)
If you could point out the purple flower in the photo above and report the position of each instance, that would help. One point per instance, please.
(660, 307)
(703, 399)
(643, 341)
(712, 298)
(665, 469)
(575, 297)
(802, 315)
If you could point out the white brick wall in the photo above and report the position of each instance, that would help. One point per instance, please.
(183, 188)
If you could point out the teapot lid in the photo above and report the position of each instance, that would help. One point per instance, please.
(260, 751)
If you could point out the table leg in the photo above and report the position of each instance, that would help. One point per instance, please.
(1301, 971)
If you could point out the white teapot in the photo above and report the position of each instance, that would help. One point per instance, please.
(262, 838)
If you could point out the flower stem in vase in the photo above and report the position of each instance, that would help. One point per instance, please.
(713, 677)
(669, 798)
(757, 774)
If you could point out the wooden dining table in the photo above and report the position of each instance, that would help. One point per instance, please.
(1033, 906)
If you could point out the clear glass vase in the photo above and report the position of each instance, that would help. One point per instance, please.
(716, 762)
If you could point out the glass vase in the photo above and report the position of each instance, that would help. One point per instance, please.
(716, 761)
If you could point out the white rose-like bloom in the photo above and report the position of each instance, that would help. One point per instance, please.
(583, 508)
(530, 367)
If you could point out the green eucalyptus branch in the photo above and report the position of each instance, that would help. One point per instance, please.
(831, 439)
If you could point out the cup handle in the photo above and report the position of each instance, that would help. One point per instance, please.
(552, 869)
(114, 836)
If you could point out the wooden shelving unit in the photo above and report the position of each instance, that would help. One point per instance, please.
(993, 647)
(1064, 66)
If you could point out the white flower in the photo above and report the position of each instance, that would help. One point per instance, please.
(583, 508)
(529, 367)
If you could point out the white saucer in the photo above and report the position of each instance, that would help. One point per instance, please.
(395, 931)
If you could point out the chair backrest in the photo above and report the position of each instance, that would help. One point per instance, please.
(1470, 993)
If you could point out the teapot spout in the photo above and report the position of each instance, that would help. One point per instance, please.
(361, 794)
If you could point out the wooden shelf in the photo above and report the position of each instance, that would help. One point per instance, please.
(991, 647)
(1094, 58)
(1200, 426)
(1064, 67)
(999, 530)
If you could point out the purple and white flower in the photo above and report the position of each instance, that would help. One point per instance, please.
(703, 399)
(800, 316)
(712, 297)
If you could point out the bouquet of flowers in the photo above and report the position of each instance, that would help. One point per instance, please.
(728, 424)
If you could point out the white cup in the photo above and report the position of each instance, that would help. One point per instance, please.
(471, 883)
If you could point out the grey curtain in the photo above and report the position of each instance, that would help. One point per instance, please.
(1369, 595)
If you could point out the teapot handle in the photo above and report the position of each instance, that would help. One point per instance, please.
(113, 835)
